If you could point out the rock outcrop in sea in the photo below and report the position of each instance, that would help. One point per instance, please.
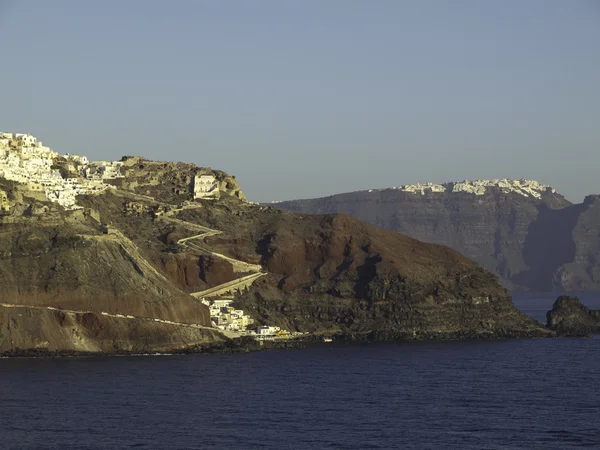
(569, 317)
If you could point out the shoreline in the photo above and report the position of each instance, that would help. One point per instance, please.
(248, 344)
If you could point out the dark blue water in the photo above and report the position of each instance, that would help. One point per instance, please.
(528, 394)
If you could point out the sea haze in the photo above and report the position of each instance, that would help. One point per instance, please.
(508, 394)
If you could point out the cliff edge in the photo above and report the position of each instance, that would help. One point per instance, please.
(525, 232)
(145, 256)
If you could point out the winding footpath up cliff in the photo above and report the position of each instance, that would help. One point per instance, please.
(123, 268)
(238, 284)
(16, 340)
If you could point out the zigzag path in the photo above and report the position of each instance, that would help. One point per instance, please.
(238, 265)
(145, 267)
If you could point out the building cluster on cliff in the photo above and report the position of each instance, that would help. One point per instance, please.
(526, 188)
(23, 159)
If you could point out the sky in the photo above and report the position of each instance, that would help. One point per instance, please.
(309, 98)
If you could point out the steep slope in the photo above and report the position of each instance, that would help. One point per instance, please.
(77, 267)
(535, 242)
(336, 274)
(39, 331)
(581, 271)
(65, 286)
(123, 266)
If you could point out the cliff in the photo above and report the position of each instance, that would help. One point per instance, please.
(335, 274)
(66, 285)
(126, 265)
(569, 317)
(531, 237)
(33, 331)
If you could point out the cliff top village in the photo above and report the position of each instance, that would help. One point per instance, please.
(62, 178)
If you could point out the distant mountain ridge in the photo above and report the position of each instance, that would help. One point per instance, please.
(522, 230)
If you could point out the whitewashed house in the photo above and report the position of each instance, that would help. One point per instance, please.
(205, 186)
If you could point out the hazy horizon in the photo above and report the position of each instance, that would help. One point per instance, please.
(310, 99)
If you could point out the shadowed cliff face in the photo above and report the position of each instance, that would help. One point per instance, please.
(120, 276)
(534, 244)
(549, 244)
(334, 273)
(582, 272)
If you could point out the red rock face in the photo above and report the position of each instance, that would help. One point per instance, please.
(322, 273)
(196, 273)
(343, 245)
(215, 271)
(184, 271)
(539, 244)
(334, 272)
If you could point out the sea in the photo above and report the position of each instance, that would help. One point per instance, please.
(503, 394)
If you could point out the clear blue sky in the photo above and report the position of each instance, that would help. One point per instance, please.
(308, 98)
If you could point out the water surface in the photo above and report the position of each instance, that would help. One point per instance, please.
(510, 394)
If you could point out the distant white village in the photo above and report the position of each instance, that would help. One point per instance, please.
(526, 188)
(25, 160)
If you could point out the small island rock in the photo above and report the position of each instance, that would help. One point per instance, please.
(569, 317)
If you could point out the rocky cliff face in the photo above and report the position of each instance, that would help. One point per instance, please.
(116, 275)
(66, 285)
(569, 317)
(533, 240)
(34, 331)
(336, 274)
(170, 181)
(581, 268)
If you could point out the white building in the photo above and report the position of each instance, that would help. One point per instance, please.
(205, 186)
(103, 170)
(77, 159)
(237, 313)
(222, 302)
(25, 160)
(266, 330)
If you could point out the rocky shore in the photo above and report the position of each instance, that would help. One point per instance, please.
(567, 318)
(237, 345)
(250, 344)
